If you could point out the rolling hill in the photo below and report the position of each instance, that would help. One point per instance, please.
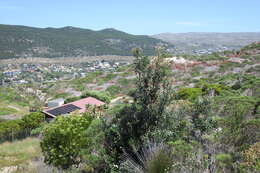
(23, 41)
(194, 41)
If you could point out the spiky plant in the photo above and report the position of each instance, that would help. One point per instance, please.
(155, 158)
(161, 158)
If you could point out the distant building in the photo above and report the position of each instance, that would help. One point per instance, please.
(11, 73)
(55, 103)
(79, 105)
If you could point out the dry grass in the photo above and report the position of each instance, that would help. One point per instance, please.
(18, 152)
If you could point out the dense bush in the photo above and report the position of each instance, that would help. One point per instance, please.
(71, 99)
(153, 94)
(63, 140)
(251, 158)
(189, 93)
(32, 120)
(94, 155)
(17, 129)
(12, 127)
(101, 95)
(202, 89)
(113, 90)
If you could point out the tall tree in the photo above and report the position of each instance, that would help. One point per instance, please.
(152, 96)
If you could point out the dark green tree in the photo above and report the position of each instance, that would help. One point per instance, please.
(152, 96)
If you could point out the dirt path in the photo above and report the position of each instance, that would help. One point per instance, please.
(13, 107)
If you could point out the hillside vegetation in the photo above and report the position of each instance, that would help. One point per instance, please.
(164, 114)
(23, 41)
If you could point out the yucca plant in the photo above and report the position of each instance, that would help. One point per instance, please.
(155, 158)
(162, 158)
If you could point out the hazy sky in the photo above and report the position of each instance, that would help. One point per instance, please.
(136, 16)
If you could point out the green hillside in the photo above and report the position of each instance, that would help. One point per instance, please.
(23, 41)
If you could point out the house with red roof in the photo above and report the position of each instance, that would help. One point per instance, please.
(79, 106)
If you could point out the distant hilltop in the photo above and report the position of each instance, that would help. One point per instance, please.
(23, 41)
(208, 42)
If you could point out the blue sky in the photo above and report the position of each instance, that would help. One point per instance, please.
(136, 16)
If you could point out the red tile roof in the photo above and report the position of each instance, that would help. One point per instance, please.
(87, 101)
(81, 104)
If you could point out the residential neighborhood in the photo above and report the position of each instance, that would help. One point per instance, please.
(31, 73)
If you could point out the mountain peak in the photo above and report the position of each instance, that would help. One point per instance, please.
(109, 29)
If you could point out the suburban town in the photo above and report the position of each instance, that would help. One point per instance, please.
(33, 73)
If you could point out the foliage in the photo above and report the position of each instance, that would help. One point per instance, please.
(116, 109)
(215, 89)
(124, 81)
(250, 133)
(224, 161)
(101, 95)
(235, 112)
(251, 157)
(32, 120)
(155, 158)
(20, 128)
(113, 90)
(109, 77)
(182, 150)
(12, 126)
(134, 121)
(63, 140)
(189, 93)
(71, 99)
(202, 88)
(77, 83)
(94, 155)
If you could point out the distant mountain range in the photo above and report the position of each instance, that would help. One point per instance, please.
(208, 42)
(23, 41)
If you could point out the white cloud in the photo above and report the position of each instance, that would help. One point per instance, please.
(189, 23)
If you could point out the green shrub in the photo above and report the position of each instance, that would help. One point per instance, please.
(64, 139)
(123, 81)
(12, 129)
(224, 161)
(109, 76)
(218, 89)
(251, 158)
(71, 99)
(113, 90)
(181, 149)
(115, 109)
(11, 126)
(155, 158)
(79, 83)
(101, 95)
(189, 93)
(32, 120)
(95, 161)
